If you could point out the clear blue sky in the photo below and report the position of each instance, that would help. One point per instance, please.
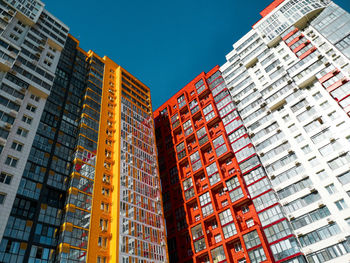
(163, 43)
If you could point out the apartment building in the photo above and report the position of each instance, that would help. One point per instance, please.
(289, 78)
(218, 201)
(79, 175)
(31, 42)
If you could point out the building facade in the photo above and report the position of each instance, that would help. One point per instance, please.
(79, 174)
(280, 121)
(289, 79)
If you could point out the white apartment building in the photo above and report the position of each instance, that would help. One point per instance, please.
(290, 79)
(31, 40)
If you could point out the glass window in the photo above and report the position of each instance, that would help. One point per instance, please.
(5, 178)
(341, 205)
(220, 146)
(195, 161)
(2, 198)
(208, 112)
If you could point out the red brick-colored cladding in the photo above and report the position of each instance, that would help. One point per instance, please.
(242, 210)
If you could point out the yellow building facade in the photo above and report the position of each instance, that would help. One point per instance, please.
(113, 210)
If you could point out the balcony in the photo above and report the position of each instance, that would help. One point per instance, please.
(221, 199)
(193, 212)
(229, 167)
(185, 169)
(205, 100)
(208, 154)
(215, 129)
(201, 182)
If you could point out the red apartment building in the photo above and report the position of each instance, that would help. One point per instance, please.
(210, 216)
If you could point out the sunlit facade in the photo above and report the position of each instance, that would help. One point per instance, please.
(289, 78)
(79, 175)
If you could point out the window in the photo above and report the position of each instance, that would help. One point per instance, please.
(209, 112)
(237, 246)
(48, 63)
(16, 29)
(314, 162)
(339, 161)
(49, 55)
(17, 146)
(251, 239)
(27, 119)
(5, 178)
(306, 149)
(218, 238)
(278, 231)
(331, 189)
(218, 254)
(286, 118)
(2, 198)
(347, 220)
(206, 205)
(322, 174)
(250, 222)
(299, 138)
(30, 107)
(195, 161)
(220, 146)
(333, 115)
(344, 178)
(34, 97)
(310, 217)
(11, 161)
(341, 205)
(329, 253)
(319, 234)
(257, 255)
(14, 37)
(245, 209)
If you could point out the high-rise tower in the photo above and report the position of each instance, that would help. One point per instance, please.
(289, 78)
(79, 176)
(283, 114)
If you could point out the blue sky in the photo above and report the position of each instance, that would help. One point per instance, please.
(165, 44)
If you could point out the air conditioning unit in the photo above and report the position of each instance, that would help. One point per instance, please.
(312, 189)
(225, 189)
(13, 113)
(2, 141)
(8, 126)
(208, 232)
(330, 220)
(341, 153)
